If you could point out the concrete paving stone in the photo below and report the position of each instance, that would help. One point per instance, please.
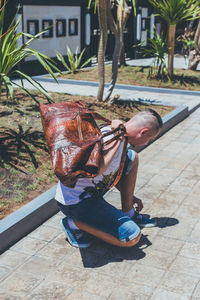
(194, 167)
(47, 291)
(163, 208)
(61, 240)
(55, 252)
(4, 272)
(20, 283)
(177, 165)
(38, 266)
(196, 292)
(187, 212)
(186, 181)
(12, 259)
(83, 295)
(81, 258)
(99, 284)
(45, 233)
(191, 250)
(177, 188)
(150, 276)
(186, 156)
(158, 259)
(111, 266)
(166, 244)
(145, 174)
(164, 178)
(149, 234)
(72, 275)
(126, 291)
(149, 193)
(196, 188)
(10, 296)
(186, 265)
(167, 295)
(28, 245)
(192, 200)
(180, 283)
(177, 198)
(177, 229)
(55, 221)
(195, 235)
(141, 182)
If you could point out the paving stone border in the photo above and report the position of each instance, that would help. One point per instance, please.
(33, 214)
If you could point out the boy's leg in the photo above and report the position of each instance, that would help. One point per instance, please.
(99, 218)
(108, 238)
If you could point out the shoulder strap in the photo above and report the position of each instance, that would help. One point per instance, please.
(121, 167)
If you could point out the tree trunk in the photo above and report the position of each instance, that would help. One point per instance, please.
(171, 44)
(123, 13)
(102, 16)
(194, 56)
(122, 61)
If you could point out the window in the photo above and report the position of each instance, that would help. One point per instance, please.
(33, 26)
(46, 24)
(60, 27)
(73, 26)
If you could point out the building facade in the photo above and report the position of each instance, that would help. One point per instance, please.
(71, 24)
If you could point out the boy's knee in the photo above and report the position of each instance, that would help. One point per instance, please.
(134, 241)
(128, 232)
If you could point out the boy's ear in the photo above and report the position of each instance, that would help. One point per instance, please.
(144, 131)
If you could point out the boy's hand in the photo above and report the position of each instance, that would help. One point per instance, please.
(137, 203)
(116, 123)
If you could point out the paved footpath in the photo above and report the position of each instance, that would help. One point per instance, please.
(164, 265)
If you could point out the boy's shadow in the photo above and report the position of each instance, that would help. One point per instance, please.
(101, 253)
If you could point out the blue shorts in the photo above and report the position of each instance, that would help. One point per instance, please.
(97, 213)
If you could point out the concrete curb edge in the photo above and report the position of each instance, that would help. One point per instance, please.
(30, 216)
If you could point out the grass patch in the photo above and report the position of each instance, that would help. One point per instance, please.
(25, 166)
(183, 79)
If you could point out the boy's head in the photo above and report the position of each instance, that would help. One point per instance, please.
(143, 127)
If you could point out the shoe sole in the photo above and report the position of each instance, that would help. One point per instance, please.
(69, 239)
(148, 225)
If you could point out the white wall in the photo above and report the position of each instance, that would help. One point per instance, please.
(50, 45)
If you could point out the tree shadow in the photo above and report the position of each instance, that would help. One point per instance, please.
(101, 253)
(19, 146)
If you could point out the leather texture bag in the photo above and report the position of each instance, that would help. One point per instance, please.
(75, 140)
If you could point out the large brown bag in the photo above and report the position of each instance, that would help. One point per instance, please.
(75, 140)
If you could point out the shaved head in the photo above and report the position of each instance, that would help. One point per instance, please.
(143, 127)
(147, 118)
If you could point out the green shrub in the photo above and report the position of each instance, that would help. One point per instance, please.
(74, 60)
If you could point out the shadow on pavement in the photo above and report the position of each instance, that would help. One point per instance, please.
(101, 253)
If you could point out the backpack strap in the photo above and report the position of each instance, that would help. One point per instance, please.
(122, 162)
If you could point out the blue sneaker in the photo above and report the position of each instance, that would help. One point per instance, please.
(141, 221)
(76, 238)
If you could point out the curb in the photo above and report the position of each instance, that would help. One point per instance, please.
(33, 214)
(120, 86)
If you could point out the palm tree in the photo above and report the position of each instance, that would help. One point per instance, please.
(173, 12)
(102, 15)
(194, 55)
(117, 28)
(105, 17)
